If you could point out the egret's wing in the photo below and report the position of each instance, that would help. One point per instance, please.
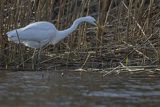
(36, 35)
(38, 32)
(40, 26)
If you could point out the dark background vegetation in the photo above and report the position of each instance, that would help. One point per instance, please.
(127, 33)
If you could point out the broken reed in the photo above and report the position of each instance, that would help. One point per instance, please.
(126, 32)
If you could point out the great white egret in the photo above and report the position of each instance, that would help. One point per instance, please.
(38, 34)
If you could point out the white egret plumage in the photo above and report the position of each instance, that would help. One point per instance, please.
(38, 34)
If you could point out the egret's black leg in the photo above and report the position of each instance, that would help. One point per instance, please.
(39, 58)
(34, 60)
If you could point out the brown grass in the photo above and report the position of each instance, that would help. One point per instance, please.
(127, 33)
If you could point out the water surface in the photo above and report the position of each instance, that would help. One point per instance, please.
(72, 89)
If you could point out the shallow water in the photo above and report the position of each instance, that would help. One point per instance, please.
(70, 89)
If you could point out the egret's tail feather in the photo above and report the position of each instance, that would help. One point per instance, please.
(12, 36)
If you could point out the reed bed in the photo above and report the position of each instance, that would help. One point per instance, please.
(127, 33)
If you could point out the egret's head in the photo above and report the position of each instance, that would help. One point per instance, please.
(91, 20)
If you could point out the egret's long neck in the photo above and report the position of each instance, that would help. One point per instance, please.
(68, 31)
